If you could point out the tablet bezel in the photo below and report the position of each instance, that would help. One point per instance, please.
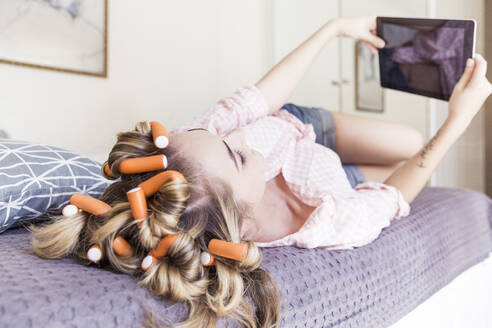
(469, 26)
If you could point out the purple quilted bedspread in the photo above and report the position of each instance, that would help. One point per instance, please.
(448, 231)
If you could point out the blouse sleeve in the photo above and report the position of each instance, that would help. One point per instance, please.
(348, 220)
(344, 217)
(357, 218)
(246, 105)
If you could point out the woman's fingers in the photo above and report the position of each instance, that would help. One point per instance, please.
(480, 69)
(465, 77)
(371, 48)
(375, 40)
(478, 80)
(371, 33)
(482, 76)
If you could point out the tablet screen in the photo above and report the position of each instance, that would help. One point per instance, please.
(424, 56)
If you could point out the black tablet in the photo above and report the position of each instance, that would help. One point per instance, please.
(424, 56)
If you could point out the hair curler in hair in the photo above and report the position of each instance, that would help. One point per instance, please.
(160, 251)
(95, 253)
(234, 251)
(70, 210)
(143, 164)
(207, 259)
(159, 134)
(152, 185)
(86, 203)
(138, 204)
(106, 170)
(121, 247)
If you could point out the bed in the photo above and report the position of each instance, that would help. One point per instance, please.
(466, 302)
(431, 268)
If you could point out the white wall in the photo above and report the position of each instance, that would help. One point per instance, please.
(170, 60)
(167, 61)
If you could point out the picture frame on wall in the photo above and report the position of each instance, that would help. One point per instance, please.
(67, 36)
(369, 95)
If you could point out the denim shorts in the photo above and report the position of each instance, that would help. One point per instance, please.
(324, 128)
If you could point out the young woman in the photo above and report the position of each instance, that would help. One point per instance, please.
(263, 173)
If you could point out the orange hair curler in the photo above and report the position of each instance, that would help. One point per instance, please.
(95, 253)
(207, 259)
(107, 170)
(147, 262)
(143, 164)
(70, 210)
(160, 251)
(164, 245)
(152, 185)
(121, 247)
(234, 251)
(138, 204)
(159, 134)
(86, 203)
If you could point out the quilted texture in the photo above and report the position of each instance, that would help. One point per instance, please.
(37, 179)
(448, 231)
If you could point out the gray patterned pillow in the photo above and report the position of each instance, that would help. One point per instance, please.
(37, 179)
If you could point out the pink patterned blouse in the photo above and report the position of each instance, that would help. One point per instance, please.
(344, 217)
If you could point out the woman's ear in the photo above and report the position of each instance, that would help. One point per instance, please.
(246, 229)
(250, 229)
(242, 233)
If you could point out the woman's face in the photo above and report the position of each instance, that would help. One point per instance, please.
(220, 157)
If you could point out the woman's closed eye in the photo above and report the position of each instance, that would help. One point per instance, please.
(243, 157)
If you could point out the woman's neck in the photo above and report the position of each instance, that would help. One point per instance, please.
(280, 212)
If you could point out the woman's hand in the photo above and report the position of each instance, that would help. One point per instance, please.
(469, 93)
(360, 28)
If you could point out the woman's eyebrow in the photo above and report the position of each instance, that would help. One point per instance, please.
(197, 129)
(231, 155)
(229, 151)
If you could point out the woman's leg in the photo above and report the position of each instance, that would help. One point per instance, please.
(362, 140)
(378, 147)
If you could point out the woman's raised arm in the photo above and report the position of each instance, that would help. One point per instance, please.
(280, 81)
(467, 98)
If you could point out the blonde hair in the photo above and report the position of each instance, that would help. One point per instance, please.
(200, 209)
